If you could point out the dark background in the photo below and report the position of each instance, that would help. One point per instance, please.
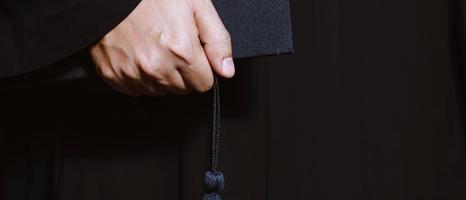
(370, 107)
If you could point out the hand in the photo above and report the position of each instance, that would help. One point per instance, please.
(165, 46)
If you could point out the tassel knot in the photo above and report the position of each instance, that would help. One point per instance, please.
(214, 182)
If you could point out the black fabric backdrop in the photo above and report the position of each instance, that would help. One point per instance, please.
(370, 107)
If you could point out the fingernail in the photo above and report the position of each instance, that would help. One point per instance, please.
(228, 67)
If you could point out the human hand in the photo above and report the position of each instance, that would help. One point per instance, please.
(165, 46)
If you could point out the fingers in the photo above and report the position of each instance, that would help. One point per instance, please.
(143, 87)
(165, 74)
(174, 52)
(180, 71)
(215, 37)
(109, 77)
(171, 83)
(104, 69)
(178, 85)
(195, 70)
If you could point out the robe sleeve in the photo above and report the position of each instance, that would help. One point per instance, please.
(36, 34)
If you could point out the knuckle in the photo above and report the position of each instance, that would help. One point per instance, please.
(155, 70)
(205, 86)
(191, 68)
(108, 74)
(183, 48)
(224, 37)
(132, 74)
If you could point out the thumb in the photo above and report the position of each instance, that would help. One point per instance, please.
(215, 37)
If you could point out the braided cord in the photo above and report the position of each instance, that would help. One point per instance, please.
(215, 126)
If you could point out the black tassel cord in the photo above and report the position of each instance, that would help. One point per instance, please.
(214, 181)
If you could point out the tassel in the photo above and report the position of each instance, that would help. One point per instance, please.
(212, 196)
(214, 181)
(213, 185)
